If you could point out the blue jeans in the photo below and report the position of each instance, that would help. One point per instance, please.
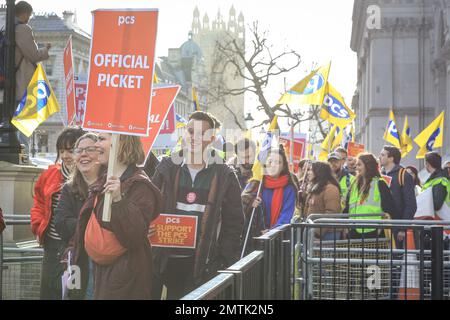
(90, 285)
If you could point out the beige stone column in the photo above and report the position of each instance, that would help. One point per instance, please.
(16, 197)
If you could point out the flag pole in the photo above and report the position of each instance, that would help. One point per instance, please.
(291, 149)
(251, 221)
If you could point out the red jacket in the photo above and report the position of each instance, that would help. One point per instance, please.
(49, 182)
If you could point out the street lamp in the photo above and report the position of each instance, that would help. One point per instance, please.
(249, 121)
(9, 144)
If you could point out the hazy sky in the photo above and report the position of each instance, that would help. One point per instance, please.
(319, 30)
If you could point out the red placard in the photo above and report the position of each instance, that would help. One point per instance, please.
(174, 231)
(163, 98)
(299, 148)
(121, 68)
(354, 149)
(169, 124)
(80, 101)
(69, 82)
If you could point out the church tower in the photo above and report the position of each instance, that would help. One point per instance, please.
(206, 35)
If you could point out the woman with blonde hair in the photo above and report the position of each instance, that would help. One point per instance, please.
(124, 270)
(74, 194)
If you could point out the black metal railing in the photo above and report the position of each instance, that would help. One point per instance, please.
(363, 259)
(263, 274)
(20, 268)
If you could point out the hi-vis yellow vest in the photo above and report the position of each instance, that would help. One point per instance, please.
(345, 183)
(372, 204)
(446, 183)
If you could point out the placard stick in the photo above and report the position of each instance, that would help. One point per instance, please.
(112, 164)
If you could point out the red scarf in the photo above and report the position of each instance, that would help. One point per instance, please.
(277, 185)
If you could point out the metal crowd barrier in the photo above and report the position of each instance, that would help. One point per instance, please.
(263, 274)
(20, 268)
(355, 265)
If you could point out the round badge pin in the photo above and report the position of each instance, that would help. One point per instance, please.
(191, 197)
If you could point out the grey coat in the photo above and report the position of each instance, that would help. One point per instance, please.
(27, 56)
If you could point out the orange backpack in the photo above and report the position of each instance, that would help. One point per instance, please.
(101, 244)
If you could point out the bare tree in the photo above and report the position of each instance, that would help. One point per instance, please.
(257, 68)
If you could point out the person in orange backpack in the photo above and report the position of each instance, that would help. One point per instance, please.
(43, 225)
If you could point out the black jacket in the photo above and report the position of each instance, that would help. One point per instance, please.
(439, 191)
(218, 247)
(67, 212)
(404, 196)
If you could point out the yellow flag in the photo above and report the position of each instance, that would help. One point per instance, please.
(263, 151)
(310, 90)
(334, 109)
(407, 143)
(155, 78)
(195, 99)
(37, 104)
(332, 141)
(432, 137)
(392, 134)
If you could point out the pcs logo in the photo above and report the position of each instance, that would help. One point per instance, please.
(392, 129)
(335, 107)
(315, 84)
(432, 140)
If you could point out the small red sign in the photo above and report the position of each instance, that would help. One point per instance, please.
(354, 149)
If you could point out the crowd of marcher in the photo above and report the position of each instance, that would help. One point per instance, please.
(116, 259)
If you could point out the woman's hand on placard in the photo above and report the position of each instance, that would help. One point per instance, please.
(113, 185)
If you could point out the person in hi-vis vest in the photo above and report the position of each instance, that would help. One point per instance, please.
(369, 194)
(439, 181)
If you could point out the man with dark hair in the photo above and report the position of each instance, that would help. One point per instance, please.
(438, 180)
(193, 186)
(245, 150)
(402, 187)
(349, 162)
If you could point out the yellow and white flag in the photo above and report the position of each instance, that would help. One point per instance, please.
(331, 142)
(407, 143)
(309, 91)
(37, 105)
(432, 137)
(392, 135)
(334, 109)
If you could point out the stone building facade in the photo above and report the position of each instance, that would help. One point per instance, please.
(403, 64)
